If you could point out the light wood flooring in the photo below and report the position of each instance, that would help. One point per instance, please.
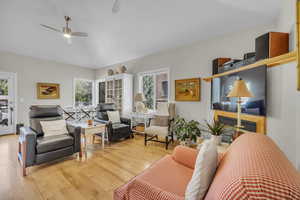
(71, 178)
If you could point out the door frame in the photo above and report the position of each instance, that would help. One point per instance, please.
(14, 76)
(97, 81)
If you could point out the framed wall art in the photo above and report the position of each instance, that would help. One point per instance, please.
(188, 89)
(48, 91)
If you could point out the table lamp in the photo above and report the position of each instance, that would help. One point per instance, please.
(139, 105)
(239, 90)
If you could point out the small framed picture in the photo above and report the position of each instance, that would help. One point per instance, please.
(48, 91)
(188, 89)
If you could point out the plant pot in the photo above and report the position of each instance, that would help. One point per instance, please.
(217, 139)
(186, 143)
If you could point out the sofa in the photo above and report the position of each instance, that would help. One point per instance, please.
(115, 131)
(35, 148)
(253, 167)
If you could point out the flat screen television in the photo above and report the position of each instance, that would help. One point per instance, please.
(256, 81)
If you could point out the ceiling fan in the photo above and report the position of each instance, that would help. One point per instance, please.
(66, 31)
(116, 6)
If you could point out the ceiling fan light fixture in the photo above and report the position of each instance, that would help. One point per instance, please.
(67, 35)
(66, 31)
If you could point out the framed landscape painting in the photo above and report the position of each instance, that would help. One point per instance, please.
(188, 89)
(48, 91)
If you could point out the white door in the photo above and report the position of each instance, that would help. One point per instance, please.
(7, 103)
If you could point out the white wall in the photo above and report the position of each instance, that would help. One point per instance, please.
(283, 109)
(287, 117)
(185, 62)
(30, 71)
(287, 17)
(195, 61)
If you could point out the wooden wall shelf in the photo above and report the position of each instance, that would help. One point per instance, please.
(271, 62)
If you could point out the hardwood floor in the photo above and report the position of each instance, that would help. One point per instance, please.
(71, 178)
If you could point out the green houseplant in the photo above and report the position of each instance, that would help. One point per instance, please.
(216, 129)
(186, 131)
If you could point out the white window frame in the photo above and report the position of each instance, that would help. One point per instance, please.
(154, 73)
(14, 104)
(93, 90)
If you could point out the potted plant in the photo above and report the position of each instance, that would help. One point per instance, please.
(216, 129)
(186, 131)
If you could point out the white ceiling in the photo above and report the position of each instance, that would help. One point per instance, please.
(140, 28)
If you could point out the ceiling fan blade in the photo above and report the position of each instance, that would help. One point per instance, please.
(51, 28)
(116, 6)
(79, 34)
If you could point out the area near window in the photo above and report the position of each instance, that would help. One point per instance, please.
(155, 87)
(84, 92)
(4, 102)
(7, 103)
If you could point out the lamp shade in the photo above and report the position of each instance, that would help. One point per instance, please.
(139, 97)
(240, 89)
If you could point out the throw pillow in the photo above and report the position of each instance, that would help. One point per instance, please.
(205, 168)
(159, 120)
(114, 116)
(55, 127)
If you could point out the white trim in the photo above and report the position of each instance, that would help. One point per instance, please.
(14, 76)
(156, 71)
(93, 90)
(16, 101)
(117, 76)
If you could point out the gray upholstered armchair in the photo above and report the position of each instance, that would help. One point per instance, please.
(35, 148)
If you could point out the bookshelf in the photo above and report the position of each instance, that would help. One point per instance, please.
(271, 62)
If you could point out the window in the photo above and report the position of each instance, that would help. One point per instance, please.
(155, 87)
(3, 87)
(84, 92)
(4, 98)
